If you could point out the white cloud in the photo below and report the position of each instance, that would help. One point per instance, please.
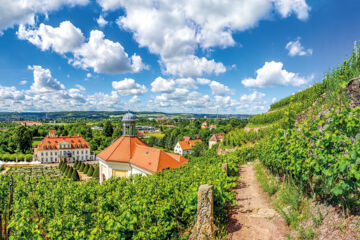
(273, 100)
(62, 39)
(253, 97)
(23, 82)
(134, 99)
(13, 12)
(287, 7)
(273, 74)
(80, 87)
(100, 54)
(88, 75)
(176, 29)
(128, 87)
(10, 93)
(203, 81)
(43, 81)
(162, 85)
(219, 88)
(296, 49)
(101, 21)
(186, 83)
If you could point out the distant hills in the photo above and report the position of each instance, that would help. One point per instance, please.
(74, 115)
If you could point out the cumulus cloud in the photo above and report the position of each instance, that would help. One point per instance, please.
(62, 39)
(296, 49)
(253, 97)
(100, 54)
(13, 12)
(128, 87)
(203, 81)
(287, 7)
(219, 89)
(162, 85)
(176, 29)
(43, 81)
(273, 74)
(101, 21)
(186, 82)
(10, 93)
(23, 82)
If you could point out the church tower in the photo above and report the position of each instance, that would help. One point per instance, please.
(129, 121)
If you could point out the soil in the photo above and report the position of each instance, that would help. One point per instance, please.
(253, 217)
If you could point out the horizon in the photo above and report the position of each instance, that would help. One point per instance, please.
(232, 58)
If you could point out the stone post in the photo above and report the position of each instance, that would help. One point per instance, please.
(204, 222)
(224, 168)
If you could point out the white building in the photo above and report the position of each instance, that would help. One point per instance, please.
(128, 155)
(186, 146)
(66, 148)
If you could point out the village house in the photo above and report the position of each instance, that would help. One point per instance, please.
(54, 149)
(217, 137)
(128, 155)
(186, 146)
(205, 125)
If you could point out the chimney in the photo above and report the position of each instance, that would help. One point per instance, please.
(186, 139)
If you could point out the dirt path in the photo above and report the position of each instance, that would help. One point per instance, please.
(253, 217)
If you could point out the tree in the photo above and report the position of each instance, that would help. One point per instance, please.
(22, 138)
(69, 174)
(96, 173)
(199, 148)
(90, 171)
(86, 168)
(66, 170)
(75, 176)
(108, 129)
(82, 166)
(117, 132)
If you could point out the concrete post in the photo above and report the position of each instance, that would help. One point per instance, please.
(224, 168)
(204, 222)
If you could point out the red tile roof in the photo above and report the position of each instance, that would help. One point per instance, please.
(52, 131)
(51, 143)
(133, 150)
(188, 145)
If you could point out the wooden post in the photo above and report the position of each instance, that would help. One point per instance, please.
(224, 168)
(204, 222)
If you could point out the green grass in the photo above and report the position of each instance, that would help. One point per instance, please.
(36, 140)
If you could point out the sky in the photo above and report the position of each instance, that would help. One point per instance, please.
(194, 56)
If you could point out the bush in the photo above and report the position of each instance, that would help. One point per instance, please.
(82, 166)
(70, 172)
(90, 171)
(96, 173)
(75, 176)
(86, 168)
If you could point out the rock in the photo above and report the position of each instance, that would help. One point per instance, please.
(204, 222)
(353, 92)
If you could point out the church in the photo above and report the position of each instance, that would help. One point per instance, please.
(129, 155)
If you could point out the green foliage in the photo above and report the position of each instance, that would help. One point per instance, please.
(108, 129)
(75, 176)
(23, 139)
(70, 172)
(86, 168)
(96, 173)
(159, 206)
(321, 156)
(90, 171)
(82, 166)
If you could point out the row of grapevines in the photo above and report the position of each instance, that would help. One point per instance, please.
(322, 156)
(160, 206)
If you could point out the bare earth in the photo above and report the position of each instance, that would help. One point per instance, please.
(253, 217)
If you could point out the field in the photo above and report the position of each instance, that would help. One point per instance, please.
(155, 134)
(36, 141)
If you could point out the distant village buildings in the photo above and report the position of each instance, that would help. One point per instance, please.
(128, 155)
(186, 146)
(205, 125)
(218, 137)
(54, 149)
(28, 123)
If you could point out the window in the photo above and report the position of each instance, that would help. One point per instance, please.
(55, 153)
(77, 152)
(46, 153)
(51, 153)
(82, 152)
(42, 154)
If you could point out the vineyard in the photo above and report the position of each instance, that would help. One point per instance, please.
(161, 206)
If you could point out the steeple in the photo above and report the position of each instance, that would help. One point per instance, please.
(129, 121)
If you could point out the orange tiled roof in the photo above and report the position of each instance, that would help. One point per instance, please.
(133, 150)
(52, 131)
(188, 145)
(51, 143)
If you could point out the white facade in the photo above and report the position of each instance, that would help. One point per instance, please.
(55, 155)
(118, 169)
(180, 151)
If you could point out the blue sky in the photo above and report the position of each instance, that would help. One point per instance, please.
(174, 56)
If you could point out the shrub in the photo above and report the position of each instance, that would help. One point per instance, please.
(69, 174)
(96, 173)
(75, 176)
(86, 168)
(90, 171)
(81, 168)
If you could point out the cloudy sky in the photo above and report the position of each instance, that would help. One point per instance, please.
(202, 56)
